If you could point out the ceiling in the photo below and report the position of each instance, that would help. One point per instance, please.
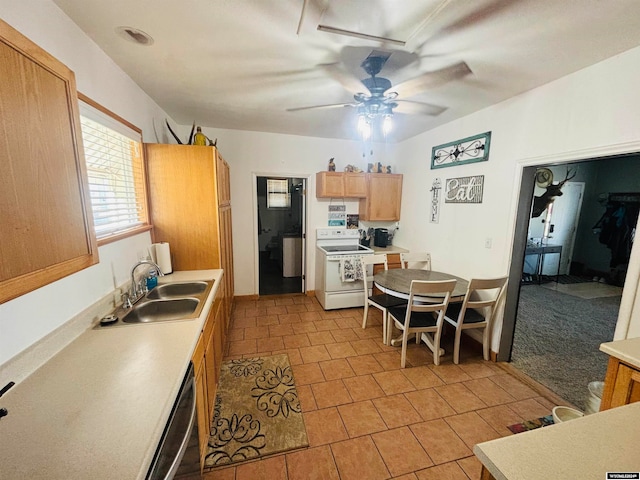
(240, 64)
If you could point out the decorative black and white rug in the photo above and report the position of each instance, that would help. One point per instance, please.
(257, 411)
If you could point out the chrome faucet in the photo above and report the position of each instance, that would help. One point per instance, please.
(136, 292)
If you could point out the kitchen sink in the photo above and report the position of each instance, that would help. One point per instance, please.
(161, 310)
(177, 289)
(173, 301)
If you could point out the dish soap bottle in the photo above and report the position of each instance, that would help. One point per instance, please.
(152, 279)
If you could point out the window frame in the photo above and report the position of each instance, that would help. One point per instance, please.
(141, 186)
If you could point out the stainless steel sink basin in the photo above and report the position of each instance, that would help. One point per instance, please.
(167, 302)
(161, 310)
(177, 289)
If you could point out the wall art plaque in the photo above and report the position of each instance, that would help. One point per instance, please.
(468, 150)
(464, 189)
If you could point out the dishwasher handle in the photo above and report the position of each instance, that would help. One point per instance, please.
(187, 434)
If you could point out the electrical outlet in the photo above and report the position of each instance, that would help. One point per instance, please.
(488, 242)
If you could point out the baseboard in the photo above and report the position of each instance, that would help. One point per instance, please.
(245, 298)
(311, 293)
(535, 386)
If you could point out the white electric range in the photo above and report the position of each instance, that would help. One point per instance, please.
(333, 245)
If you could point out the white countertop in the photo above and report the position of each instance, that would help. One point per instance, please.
(98, 408)
(388, 249)
(627, 350)
(584, 448)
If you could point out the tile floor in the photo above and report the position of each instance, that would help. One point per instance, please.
(366, 418)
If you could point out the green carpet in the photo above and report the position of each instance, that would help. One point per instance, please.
(257, 411)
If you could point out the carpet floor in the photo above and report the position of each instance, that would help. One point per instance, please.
(257, 411)
(557, 339)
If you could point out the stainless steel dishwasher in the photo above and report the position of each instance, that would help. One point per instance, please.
(178, 452)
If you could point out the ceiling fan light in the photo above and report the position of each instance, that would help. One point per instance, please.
(364, 127)
(387, 125)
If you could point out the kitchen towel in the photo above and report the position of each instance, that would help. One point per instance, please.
(161, 254)
(350, 268)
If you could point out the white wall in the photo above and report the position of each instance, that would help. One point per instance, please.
(587, 111)
(27, 319)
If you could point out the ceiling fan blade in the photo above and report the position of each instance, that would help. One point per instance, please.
(418, 108)
(319, 107)
(348, 81)
(429, 80)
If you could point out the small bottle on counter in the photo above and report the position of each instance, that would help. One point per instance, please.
(152, 279)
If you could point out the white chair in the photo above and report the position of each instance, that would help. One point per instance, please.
(421, 260)
(420, 317)
(381, 301)
(476, 311)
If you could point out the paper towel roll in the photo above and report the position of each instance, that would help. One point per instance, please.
(161, 254)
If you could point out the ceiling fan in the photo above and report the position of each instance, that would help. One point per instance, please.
(375, 97)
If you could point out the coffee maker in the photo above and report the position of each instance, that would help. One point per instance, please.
(381, 237)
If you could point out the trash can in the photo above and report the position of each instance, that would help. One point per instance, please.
(592, 404)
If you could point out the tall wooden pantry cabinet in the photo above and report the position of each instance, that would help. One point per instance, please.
(190, 208)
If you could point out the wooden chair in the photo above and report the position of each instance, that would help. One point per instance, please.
(420, 317)
(421, 260)
(381, 301)
(476, 311)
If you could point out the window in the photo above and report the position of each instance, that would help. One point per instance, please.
(278, 195)
(115, 168)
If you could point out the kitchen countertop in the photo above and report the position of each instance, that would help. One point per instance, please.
(584, 448)
(389, 249)
(627, 350)
(97, 409)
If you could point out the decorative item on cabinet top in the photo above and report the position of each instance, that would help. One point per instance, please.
(198, 139)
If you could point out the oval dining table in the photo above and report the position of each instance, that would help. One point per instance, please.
(397, 282)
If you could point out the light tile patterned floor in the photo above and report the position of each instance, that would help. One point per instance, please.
(366, 418)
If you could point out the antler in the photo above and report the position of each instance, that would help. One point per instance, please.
(567, 177)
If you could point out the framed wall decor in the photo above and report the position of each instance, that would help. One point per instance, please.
(468, 150)
(464, 189)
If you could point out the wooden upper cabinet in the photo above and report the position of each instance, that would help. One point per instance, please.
(47, 227)
(224, 186)
(384, 198)
(329, 185)
(190, 205)
(341, 185)
(355, 185)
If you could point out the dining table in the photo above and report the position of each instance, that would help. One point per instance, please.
(397, 282)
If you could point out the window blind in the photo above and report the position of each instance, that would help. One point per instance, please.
(278, 195)
(115, 171)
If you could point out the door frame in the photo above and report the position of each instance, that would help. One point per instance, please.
(521, 212)
(305, 220)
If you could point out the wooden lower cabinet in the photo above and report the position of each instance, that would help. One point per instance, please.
(207, 359)
(621, 385)
(393, 261)
(201, 397)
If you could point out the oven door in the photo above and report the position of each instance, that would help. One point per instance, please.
(332, 279)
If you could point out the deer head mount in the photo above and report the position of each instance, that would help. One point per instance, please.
(541, 203)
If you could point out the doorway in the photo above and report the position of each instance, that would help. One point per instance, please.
(281, 215)
(556, 324)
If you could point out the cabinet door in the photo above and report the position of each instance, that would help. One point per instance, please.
(383, 199)
(226, 246)
(184, 204)
(223, 179)
(47, 227)
(202, 401)
(329, 185)
(622, 385)
(355, 185)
